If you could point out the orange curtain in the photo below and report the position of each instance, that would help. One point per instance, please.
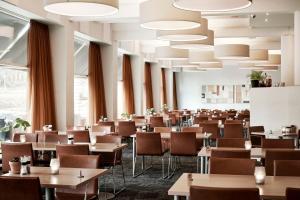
(97, 106)
(164, 86)
(128, 85)
(148, 86)
(41, 92)
(175, 103)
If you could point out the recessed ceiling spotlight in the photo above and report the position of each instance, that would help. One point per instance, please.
(212, 5)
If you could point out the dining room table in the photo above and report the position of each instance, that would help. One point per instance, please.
(67, 178)
(273, 188)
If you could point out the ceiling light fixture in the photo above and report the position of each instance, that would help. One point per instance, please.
(82, 8)
(168, 53)
(232, 51)
(212, 5)
(274, 60)
(168, 18)
(258, 55)
(195, 34)
(206, 44)
(202, 57)
(211, 66)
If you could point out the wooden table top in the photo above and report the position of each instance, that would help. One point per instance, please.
(98, 147)
(255, 152)
(274, 187)
(275, 134)
(67, 177)
(168, 135)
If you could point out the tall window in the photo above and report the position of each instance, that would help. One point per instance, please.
(81, 90)
(13, 70)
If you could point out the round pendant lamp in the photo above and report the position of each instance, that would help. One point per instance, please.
(168, 53)
(258, 55)
(232, 51)
(269, 68)
(196, 45)
(195, 34)
(82, 8)
(212, 5)
(195, 69)
(198, 57)
(274, 60)
(183, 64)
(211, 66)
(162, 15)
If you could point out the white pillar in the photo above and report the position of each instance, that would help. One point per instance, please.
(287, 59)
(297, 47)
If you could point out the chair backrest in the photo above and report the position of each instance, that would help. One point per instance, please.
(109, 139)
(11, 150)
(192, 129)
(73, 149)
(278, 143)
(127, 128)
(82, 161)
(233, 166)
(138, 117)
(53, 138)
(30, 137)
(208, 127)
(163, 129)
(230, 153)
(157, 122)
(183, 144)
(231, 142)
(99, 128)
(233, 130)
(41, 135)
(284, 154)
(260, 129)
(292, 193)
(27, 188)
(199, 119)
(286, 167)
(80, 136)
(108, 123)
(212, 193)
(148, 144)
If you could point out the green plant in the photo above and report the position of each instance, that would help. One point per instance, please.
(150, 111)
(21, 123)
(164, 108)
(256, 75)
(15, 159)
(125, 115)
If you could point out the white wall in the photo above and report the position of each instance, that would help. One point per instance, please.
(189, 85)
(275, 107)
(137, 64)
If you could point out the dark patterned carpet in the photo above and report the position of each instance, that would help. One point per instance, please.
(149, 185)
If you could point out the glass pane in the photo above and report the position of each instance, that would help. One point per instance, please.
(81, 104)
(13, 93)
(81, 52)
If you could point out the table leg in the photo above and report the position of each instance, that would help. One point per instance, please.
(133, 156)
(49, 193)
(201, 164)
(206, 165)
(176, 197)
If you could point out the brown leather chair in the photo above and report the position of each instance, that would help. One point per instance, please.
(284, 154)
(213, 193)
(80, 136)
(183, 144)
(99, 128)
(79, 161)
(233, 166)
(72, 149)
(27, 188)
(224, 153)
(278, 143)
(108, 123)
(231, 142)
(208, 127)
(256, 140)
(30, 137)
(41, 134)
(233, 130)
(287, 167)
(138, 117)
(292, 193)
(11, 150)
(127, 128)
(228, 121)
(192, 129)
(53, 138)
(200, 119)
(157, 122)
(165, 142)
(149, 144)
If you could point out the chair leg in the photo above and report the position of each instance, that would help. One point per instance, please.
(143, 168)
(113, 176)
(123, 174)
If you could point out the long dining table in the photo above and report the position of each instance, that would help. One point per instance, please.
(274, 187)
(68, 178)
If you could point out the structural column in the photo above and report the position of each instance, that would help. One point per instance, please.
(287, 59)
(297, 47)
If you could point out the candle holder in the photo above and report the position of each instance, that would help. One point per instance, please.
(248, 145)
(22, 138)
(260, 175)
(80, 174)
(93, 140)
(54, 166)
(70, 139)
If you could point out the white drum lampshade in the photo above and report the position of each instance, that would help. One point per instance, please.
(258, 55)
(274, 60)
(82, 8)
(211, 66)
(198, 57)
(195, 34)
(212, 5)
(162, 15)
(168, 53)
(196, 45)
(232, 51)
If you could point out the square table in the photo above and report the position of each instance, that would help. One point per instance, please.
(68, 178)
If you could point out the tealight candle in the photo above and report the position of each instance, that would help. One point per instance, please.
(54, 166)
(248, 145)
(260, 175)
(93, 140)
(220, 122)
(22, 138)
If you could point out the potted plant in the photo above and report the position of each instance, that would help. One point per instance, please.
(15, 165)
(256, 77)
(21, 124)
(164, 108)
(150, 111)
(125, 116)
